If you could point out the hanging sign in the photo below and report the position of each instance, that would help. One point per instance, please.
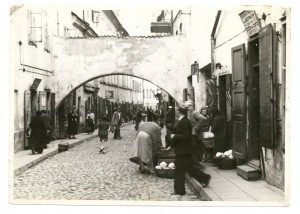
(250, 21)
(109, 94)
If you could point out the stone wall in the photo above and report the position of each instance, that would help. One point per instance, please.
(160, 60)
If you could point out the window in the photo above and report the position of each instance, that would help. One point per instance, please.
(95, 16)
(35, 27)
(180, 28)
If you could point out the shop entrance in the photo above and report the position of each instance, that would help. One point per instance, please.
(254, 109)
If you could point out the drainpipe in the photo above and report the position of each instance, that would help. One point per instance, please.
(213, 41)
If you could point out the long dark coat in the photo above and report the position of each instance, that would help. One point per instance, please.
(72, 123)
(37, 138)
(182, 142)
(219, 130)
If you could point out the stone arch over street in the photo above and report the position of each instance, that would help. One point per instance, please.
(160, 60)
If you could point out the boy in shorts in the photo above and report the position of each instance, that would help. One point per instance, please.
(103, 133)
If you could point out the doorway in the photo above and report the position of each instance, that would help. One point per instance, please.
(254, 109)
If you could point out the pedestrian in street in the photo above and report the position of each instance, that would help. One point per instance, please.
(198, 121)
(161, 117)
(47, 123)
(138, 119)
(72, 123)
(103, 133)
(117, 121)
(37, 138)
(144, 116)
(90, 125)
(149, 115)
(171, 116)
(145, 145)
(182, 142)
(219, 130)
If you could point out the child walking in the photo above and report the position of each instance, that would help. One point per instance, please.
(103, 133)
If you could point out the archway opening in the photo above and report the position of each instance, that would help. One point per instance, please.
(103, 94)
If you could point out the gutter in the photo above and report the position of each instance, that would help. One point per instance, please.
(213, 40)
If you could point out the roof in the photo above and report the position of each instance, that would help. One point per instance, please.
(111, 15)
(161, 27)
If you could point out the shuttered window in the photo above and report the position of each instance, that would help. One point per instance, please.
(266, 82)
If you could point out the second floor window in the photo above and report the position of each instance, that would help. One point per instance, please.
(35, 27)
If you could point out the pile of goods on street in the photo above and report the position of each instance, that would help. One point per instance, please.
(165, 168)
(225, 160)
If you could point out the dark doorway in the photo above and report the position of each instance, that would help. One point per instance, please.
(254, 108)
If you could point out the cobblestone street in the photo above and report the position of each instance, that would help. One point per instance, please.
(82, 173)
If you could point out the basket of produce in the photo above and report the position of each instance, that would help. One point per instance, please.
(165, 168)
(63, 146)
(225, 160)
(163, 153)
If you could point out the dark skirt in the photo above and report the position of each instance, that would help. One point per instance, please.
(103, 137)
(72, 128)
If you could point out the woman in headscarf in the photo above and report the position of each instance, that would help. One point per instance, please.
(145, 145)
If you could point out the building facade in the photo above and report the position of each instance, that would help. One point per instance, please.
(249, 60)
(31, 30)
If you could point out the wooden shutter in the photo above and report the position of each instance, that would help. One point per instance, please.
(211, 93)
(27, 114)
(266, 77)
(52, 114)
(228, 96)
(239, 101)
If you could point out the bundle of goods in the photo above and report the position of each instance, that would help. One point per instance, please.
(63, 146)
(165, 168)
(225, 160)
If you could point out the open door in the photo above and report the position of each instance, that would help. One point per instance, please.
(239, 101)
(52, 114)
(266, 81)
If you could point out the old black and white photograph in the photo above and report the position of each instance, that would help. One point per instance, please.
(149, 105)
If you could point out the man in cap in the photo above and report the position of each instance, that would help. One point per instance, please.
(117, 121)
(181, 141)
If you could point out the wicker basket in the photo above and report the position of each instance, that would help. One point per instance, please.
(162, 153)
(209, 142)
(165, 173)
(226, 163)
(63, 146)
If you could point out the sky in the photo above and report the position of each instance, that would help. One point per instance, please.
(137, 21)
